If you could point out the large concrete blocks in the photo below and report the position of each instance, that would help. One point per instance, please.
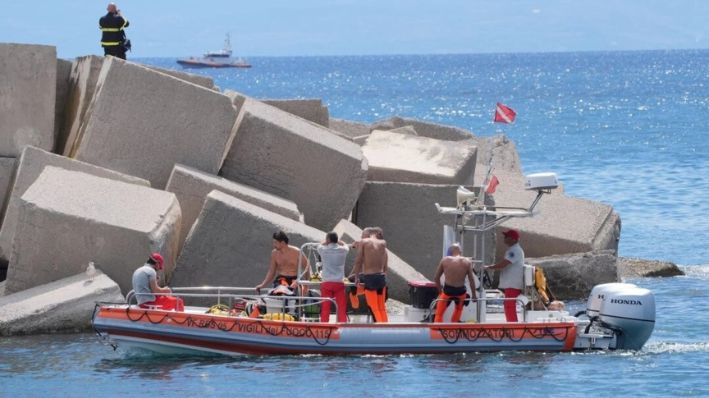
(561, 224)
(296, 160)
(309, 109)
(63, 83)
(424, 129)
(192, 186)
(200, 80)
(572, 276)
(68, 219)
(350, 129)
(62, 306)
(399, 273)
(82, 85)
(29, 167)
(413, 228)
(231, 243)
(141, 122)
(28, 84)
(409, 158)
(7, 170)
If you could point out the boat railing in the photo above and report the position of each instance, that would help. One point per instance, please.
(518, 300)
(227, 295)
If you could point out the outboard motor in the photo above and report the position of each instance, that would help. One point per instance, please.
(629, 311)
(598, 296)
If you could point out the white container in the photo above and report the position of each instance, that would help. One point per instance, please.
(528, 275)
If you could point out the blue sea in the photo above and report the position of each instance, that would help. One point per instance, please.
(630, 129)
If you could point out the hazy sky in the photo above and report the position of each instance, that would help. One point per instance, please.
(339, 27)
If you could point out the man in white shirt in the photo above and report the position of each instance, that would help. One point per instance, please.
(333, 253)
(145, 287)
(512, 274)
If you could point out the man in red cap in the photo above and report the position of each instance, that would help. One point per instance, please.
(148, 293)
(512, 274)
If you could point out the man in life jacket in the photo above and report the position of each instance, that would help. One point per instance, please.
(512, 274)
(455, 268)
(372, 261)
(146, 289)
(283, 269)
(113, 36)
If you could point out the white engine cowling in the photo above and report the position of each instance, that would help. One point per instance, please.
(598, 295)
(630, 311)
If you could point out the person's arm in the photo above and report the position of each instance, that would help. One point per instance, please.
(502, 264)
(157, 289)
(471, 279)
(270, 274)
(386, 260)
(437, 277)
(359, 260)
(306, 274)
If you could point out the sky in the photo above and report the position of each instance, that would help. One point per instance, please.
(161, 28)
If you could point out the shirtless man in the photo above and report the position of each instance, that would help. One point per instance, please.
(372, 262)
(456, 268)
(283, 269)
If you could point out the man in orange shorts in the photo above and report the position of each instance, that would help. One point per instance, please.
(455, 268)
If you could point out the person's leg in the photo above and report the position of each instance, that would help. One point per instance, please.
(339, 293)
(326, 291)
(381, 305)
(458, 312)
(511, 304)
(441, 306)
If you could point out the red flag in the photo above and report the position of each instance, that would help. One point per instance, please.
(492, 185)
(504, 114)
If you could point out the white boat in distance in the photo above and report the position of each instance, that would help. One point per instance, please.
(215, 59)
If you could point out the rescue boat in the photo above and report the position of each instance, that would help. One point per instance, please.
(617, 315)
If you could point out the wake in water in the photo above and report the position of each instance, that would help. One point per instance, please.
(696, 271)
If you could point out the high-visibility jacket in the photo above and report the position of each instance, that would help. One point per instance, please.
(112, 33)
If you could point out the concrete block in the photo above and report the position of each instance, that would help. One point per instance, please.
(309, 109)
(65, 305)
(199, 80)
(561, 224)
(28, 84)
(141, 122)
(424, 129)
(399, 272)
(7, 171)
(572, 276)
(237, 99)
(192, 186)
(640, 268)
(231, 243)
(409, 158)
(29, 167)
(63, 83)
(67, 219)
(413, 228)
(82, 86)
(499, 150)
(349, 129)
(296, 160)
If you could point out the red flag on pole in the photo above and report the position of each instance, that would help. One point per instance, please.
(504, 114)
(492, 185)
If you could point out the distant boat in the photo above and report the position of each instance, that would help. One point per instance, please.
(215, 59)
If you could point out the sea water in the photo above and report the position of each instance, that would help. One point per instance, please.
(629, 129)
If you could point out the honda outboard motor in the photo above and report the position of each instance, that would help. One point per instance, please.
(629, 311)
(598, 296)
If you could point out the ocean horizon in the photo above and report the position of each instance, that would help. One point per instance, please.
(625, 128)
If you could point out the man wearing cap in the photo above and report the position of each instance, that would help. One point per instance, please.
(512, 274)
(145, 286)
